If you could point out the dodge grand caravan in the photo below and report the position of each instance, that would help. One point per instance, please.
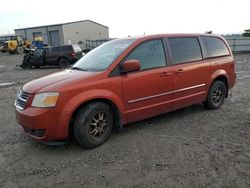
(123, 81)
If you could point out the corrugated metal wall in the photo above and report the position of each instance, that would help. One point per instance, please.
(44, 31)
(79, 32)
(239, 44)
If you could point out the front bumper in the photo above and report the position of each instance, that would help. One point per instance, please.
(42, 124)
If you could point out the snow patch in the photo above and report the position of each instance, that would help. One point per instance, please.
(7, 84)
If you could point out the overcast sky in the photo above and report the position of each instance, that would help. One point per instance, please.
(131, 17)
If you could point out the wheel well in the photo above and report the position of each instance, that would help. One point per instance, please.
(117, 118)
(61, 57)
(224, 80)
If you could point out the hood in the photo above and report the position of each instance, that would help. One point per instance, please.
(55, 81)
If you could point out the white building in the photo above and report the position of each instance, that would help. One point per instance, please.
(66, 33)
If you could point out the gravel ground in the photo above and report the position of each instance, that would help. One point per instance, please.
(191, 147)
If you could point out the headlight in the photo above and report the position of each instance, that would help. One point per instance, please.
(44, 100)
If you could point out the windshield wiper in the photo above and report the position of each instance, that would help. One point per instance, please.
(78, 68)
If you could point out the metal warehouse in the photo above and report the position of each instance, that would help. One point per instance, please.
(66, 33)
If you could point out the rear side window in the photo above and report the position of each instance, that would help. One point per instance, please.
(66, 48)
(150, 54)
(215, 47)
(62, 48)
(185, 49)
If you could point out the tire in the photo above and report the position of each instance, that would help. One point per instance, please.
(37, 66)
(93, 124)
(216, 95)
(27, 65)
(19, 50)
(63, 63)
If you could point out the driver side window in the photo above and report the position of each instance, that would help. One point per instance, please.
(38, 52)
(150, 54)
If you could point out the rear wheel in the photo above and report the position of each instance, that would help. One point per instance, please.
(63, 63)
(216, 95)
(19, 50)
(93, 124)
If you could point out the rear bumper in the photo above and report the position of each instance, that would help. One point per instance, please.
(42, 124)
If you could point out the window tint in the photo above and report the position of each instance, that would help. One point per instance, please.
(185, 49)
(62, 48)
(38, 52)
(66, 48)
(150, 54)
(215, 47)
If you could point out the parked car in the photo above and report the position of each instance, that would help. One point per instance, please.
(123, 81)
(58, 55)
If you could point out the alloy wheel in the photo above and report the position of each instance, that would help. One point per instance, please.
(98, 124)
(217, 95)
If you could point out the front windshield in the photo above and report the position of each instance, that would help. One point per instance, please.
(101, 57)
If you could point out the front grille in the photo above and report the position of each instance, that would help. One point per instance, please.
(21, 99)
(35, 132)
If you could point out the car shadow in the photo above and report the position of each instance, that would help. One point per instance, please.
(163, 118)
(72, 146)
(41, 68)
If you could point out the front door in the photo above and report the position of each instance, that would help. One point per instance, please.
(147, 92)
(36, 58)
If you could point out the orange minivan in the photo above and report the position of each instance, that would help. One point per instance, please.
(123, 81)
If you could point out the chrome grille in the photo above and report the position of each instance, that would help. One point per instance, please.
(21, 99)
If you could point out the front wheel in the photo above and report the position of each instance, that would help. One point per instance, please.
(19, 50)
(93, 124)
(216, 95)
(26, 65)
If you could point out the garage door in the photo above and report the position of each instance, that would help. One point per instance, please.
(54, 38)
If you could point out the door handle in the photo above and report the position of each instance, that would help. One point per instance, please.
(165, 74)
(179, 71)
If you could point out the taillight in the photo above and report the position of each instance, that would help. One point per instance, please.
(73, 54)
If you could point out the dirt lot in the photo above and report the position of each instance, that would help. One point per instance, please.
(191, 147)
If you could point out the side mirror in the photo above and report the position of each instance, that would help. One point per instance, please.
(130, 66)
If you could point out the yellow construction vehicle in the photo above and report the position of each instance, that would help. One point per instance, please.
(16, 45)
